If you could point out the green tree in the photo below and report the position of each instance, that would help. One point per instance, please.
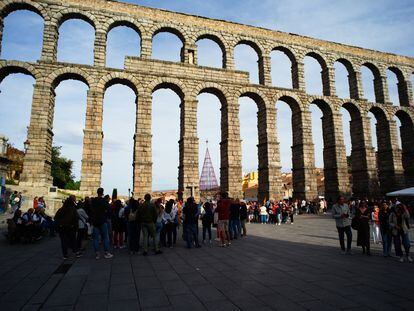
(62, 171)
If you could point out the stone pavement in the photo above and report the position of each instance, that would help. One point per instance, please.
(291, 267)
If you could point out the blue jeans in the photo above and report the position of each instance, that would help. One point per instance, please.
(386, 243)
(101, 232)
(263, 219)
(401, 237)
(235, 228)
(345, 230)
(191, 235)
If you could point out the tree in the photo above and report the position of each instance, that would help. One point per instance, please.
(62, 171)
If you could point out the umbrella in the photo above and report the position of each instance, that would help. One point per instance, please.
(408, 192)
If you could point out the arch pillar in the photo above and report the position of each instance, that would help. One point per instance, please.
(355, 85)
(407, 141)
(391, 173)
(188, 177)
(38, 159)
(146, 46)
(364, 163)
(228, 59)
(189, 54)
(328, 81)
(304, 182)
(265, 77)
(403, 92)
(91, 172)
(410, 92)
(334, 155)
(100, 49)
(142, 174)
(50, 41)
(230, 149)
(298, 76)
(270, 177)
(381, 90)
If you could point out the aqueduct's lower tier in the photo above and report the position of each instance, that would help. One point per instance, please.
(374, 173)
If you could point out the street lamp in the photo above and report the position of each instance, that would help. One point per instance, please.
(26, 145)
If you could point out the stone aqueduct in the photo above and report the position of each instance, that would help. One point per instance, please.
(144, 75)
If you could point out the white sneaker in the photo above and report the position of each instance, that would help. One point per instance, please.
(401, 259)
(409, 259)
(108, 256)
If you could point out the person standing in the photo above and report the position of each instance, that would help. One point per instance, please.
(169, 219)
(207, 219)
(375, 225)
(363, 214)
(263, 214)
(148, 218)
(384, 223)
(190, 212)
(99, 220)
(341, 214)
(82, 226)
(235, 228)
(223, 211)
(133, 225)
(400, 225)
(66, 219)
(243, 217)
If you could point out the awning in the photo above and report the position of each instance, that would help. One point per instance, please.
(408, 192)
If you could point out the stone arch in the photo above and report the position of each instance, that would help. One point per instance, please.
(218, 40)
(389, 172)
(212, 88)
(402, 86)
(168, 83)
(255, 94)
(293, 64)
(120, 78)
(377, 81)
(353, 85)
(10, 6)
(60, 75)
(122, 21)
(325, 75)
(72, 13)
(169, 29)
(253, 44)
(407, 144)
(363, 163)
(11, 68)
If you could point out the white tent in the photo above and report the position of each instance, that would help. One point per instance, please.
(408, 192)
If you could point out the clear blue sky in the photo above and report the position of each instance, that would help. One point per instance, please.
(380, 25)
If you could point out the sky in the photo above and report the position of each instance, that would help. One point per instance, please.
(384, 25)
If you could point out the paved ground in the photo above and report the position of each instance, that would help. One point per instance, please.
(291, 267)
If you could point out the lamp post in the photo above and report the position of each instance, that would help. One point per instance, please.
(26, 145)
(129, 193)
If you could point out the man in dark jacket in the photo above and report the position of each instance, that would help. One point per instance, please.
(66, 219)
(148, 216)
(190, 212)
(234, 225)
(99, 221)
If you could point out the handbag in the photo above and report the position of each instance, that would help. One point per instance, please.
(355, 223)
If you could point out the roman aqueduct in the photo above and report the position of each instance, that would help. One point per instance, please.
(145, 75)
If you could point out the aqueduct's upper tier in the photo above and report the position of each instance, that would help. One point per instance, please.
(387, 170)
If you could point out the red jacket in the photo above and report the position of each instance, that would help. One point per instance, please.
(223, 209)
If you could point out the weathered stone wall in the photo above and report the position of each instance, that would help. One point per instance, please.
(144, 76)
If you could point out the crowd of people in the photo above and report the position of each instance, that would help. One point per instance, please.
(113, 223)
(116, 224)
(387, 222)
(29, 226)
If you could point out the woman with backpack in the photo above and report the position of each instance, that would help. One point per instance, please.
(133, 226)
